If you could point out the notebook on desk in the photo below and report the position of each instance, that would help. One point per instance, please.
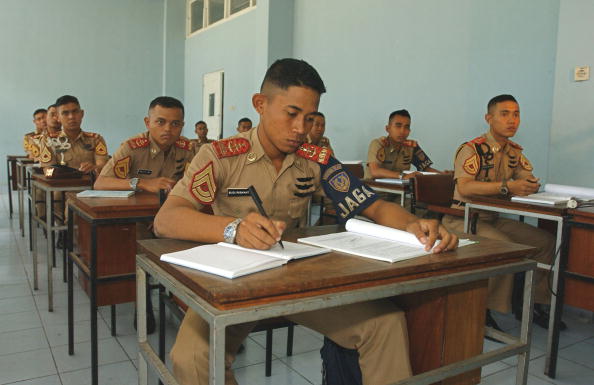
(105, 194)
(395, 181)
(556, 194)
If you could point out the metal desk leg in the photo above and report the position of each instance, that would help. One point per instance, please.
(217, 354)
(161, 324)
(70, 282)
(526, 328)
(141, 323)
(93, 285)
(49, 220)
(21, 205)
(467, 219)
(9, 177)
(554, 298)
(34, 248)
(31, 212)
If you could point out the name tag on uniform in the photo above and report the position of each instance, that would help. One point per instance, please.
(144, 172)
(237, 192)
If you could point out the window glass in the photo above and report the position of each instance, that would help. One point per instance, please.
(196, 17)
(238, 5)
(216, 10)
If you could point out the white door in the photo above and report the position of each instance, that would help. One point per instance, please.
(212, 107)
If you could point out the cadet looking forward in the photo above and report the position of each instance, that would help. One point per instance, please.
(31, 141)
(154, 159)
(493, 165)
(201, 131)
(388, 156)
(286, 172)
(244, 125)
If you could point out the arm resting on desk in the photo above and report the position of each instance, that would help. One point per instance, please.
(377, 171)
(470, 187)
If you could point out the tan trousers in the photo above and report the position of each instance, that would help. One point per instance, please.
(377, 329)
(504, 229)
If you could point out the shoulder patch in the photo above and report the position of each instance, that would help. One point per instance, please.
(121, 168)
(231, 147)
(90, 134)
(410, 143)
(525, 163)
(515, 145)
(381, 154)
(139, 142)
(203, 187)
(471, 164)
(184, 144)
(100, 148)
(478, 140)
(46, 155)
(315, 153)
(34, 150)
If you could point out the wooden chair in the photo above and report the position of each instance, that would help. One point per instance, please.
(435, 193)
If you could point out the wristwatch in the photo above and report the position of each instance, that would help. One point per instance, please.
(134, 184)
(504, 190)
(230, 231)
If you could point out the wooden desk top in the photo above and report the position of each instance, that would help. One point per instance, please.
(140, 204)
(83, 181)
(391, 186)
(327, 273)
(15, 157)
(531, 207)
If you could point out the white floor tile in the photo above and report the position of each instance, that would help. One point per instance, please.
(581, 353)
(303, 341)
(109, 351)
(508, 377)
(26, 365)
(121, 373)
(22, 341)
(281, 375)
(568, 373)
(14, 290)
(253, 354)
(19, 321)
(57, 334)
(50, 380)
(60, 314)
(307, 364)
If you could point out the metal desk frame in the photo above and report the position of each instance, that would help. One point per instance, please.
(23, 183)
(10, 160)
(560, 219)
(50, 227)
(220, 319)
(91, 273)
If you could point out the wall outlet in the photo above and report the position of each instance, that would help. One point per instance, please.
(581, 73)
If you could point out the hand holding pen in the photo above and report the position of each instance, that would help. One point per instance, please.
(258, 203)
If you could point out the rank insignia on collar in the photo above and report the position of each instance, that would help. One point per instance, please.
(471, 165)
(410, 143)
(230, 147)
(100, 149)
(340, 182)
(203, 187)
(312, 152)
(121, 168)
(139, 142)
(525, 163)
(478, 140)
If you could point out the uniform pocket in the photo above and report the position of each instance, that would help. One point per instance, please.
(298, 207)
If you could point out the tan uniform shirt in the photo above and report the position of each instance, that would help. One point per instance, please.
(87, 147)
(32, 144)
(484, 160)
(396, 156)
(140, 157)
(197, 143)
(211, 177)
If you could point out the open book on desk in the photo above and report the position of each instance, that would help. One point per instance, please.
(370, 240)
(556, 194)
(232, 261)
(105, 194)
(396, 181)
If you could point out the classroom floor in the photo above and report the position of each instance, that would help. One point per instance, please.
(33, 342)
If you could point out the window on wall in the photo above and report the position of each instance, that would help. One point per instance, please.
(204, 13)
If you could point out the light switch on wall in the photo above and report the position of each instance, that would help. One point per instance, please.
(581, 73)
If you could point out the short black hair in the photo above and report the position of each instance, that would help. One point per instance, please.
(65, 99)
(399, 113)
(39, 111)
(51, 105)
(200, 121)
(318, 113)
(499, 99)
(244, 120)
(285, 73)
(167, 102)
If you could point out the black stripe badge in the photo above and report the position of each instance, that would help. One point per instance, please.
(237, 192)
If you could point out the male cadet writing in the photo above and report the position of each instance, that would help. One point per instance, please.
(493, 165)
(286, 172)
(85, 151)
(389, 155)
(152, 160)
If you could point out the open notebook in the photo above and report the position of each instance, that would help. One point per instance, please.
(232, 261)
(370, 240)
(105, 194)
(556, 194)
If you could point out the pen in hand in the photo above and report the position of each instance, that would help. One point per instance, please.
(258, 202)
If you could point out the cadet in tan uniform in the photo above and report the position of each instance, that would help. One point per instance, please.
(244, 125)
(286, 172)
(389, 155)
(201, 131)
(52, 121)
(152, 160)
(85, 151)
(493, 165)
(316, 134)
(31, 140)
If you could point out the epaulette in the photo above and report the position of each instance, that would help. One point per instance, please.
(231, 147)
(410, 143)
(515, 145)
(385, 142)
(90, 134)
(315, 153)
(183, 143)
(477, 140)
(138, 142)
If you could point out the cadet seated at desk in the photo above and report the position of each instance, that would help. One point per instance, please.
(286, 172)
(155, 159)
(31, 139)
(244, 125)
(316, 134)
(389, 155)
(493, 165)
(82, 150)
(201, 131)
